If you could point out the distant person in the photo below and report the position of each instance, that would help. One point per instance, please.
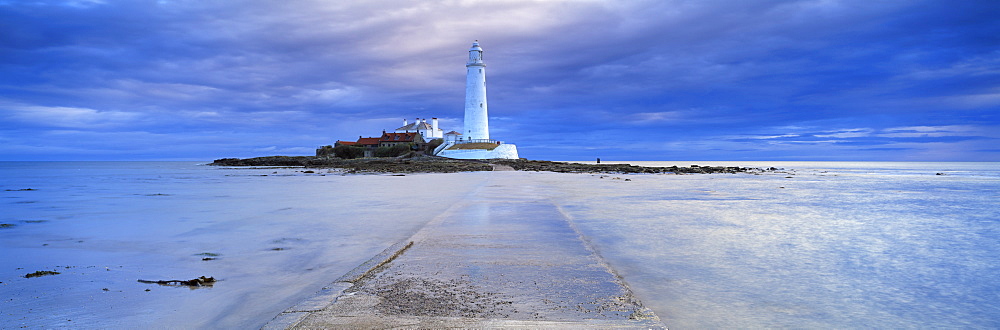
(598, 160)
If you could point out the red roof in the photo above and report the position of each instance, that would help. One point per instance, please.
(369, 141)
(398, 137)
(346, 143)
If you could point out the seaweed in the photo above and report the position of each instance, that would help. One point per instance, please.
(41, 273)
(198, 282)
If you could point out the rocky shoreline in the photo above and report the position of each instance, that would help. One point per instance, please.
(430, 164)
(563, 167)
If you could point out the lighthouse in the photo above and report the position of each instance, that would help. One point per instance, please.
(477, 126)
(475, 142)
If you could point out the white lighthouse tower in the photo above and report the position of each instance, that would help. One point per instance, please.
(475, 142)
(477, 125)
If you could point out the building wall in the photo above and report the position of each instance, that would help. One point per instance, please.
(503, 151)
(430, 133)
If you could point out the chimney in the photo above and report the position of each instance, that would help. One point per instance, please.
(434, 125)
(404, 122)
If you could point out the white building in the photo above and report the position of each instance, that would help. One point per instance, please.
(427, 131)
(474, 142)
(452, 137)
(477, 125)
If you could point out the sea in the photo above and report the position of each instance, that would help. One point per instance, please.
(806, 245)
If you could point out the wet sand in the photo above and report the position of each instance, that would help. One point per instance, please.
(276, 236)
(505, 256)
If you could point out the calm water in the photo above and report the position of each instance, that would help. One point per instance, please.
(855, 245)
(829, 245)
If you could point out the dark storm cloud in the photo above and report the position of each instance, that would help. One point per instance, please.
(567, 80)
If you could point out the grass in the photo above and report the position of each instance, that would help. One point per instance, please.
(487, 146)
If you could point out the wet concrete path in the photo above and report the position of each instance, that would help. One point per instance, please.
(501, 167)
(504, 257)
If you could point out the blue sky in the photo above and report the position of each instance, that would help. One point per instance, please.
(566, 80)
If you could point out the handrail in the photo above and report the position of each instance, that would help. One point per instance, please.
(442, 147)
(478, 141)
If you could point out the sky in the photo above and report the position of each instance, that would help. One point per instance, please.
(820, 80)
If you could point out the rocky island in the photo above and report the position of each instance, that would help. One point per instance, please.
(415, 163)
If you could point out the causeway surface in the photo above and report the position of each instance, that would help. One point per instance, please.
(504, 257)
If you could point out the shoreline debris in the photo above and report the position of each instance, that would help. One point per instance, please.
(198, 282)
(41, 273)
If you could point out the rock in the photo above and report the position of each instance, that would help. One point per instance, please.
(41, 273)
(539, 165)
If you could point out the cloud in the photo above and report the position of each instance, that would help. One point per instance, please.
(940, 131)
(988, 100)
(329, 96)
(654, 117)
(981, 65)
(846, 133)
(732, 78)
(65, 117)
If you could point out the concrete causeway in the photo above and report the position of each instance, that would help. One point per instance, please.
(504, 257)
